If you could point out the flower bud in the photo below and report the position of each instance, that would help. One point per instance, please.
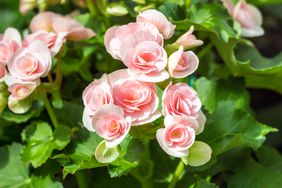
(188, 40)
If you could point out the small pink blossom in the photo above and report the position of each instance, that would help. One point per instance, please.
(188, 40)
(181, 100)
(146, 61)
(182, 64)
(138, 99)
(165, 27)
(53, 41)
(31, 63)
(247, 15)
(130, 34)
(9, 44)
(20, 89)
(110, 124)
(3, 72)
(177, 136)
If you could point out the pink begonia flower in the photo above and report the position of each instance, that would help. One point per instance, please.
(3, 72)
(177, 136)
(97, 94)
(20, 89)
(110, 123)
(117, 35)
(138, 99)
(32, 62)
(182, 64)
(146, 61)
(52, 22)
(180, 100)
(202, 121)
(142, 50)
(53, 41)
(157, 18)
(248, 16)
(9, 44)
(188, 40)
(27, 5)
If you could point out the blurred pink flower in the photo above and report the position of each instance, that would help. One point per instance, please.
(247, 15)
(9, 44)
(52, 22)
(3, 72)
(27, 5)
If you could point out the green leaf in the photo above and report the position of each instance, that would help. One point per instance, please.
(244, 60)
(83, 19)
(270, 158)
(15, 173)
(79, 154)
(164, 165)
(230, 124)
(131, 152)
(33, 112)
(41, 141)
(212, 19)
(4, 94)
(257, 175)
(205, 184)
(120, 167)
(173, 10)
(72, 111)
(213, 91)
(264, 2)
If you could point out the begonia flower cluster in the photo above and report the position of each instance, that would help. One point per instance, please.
(128, 97)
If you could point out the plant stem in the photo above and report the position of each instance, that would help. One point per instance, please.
(147, 184)
(91, 7)
(205, 50)
(50, 110)
(177, 174)
(81, 179)
(143, 173)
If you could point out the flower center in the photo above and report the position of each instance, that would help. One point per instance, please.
(28, 64)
